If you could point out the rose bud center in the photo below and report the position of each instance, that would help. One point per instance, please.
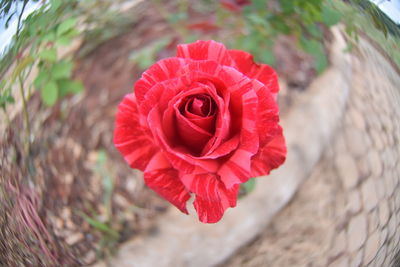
(197, 124)
(201, 105)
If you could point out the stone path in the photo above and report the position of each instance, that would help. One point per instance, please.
(348, 212)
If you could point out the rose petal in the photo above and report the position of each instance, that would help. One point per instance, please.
(163, 179)
(129, 137)
(270, 156)
(225, 148)
(205, 123)
(212, 198)
(161, 94)
(262, 72)
(192, 135)
(174, 106)
(223, 116)
(268, 114)
(163, 70)
(205, 50)
(237, 169)
(179, 157)
(210, 211)
(244, 105)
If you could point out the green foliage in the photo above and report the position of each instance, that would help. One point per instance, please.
(36, 44)
(356, 21)
(316, 49)
(146, 56)
(264, 21)
(379, 19)
(248, 187)
(330, 16)
(5, 96)
(49, 93)
(104, 223)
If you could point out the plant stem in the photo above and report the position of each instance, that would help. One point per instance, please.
(25, 111)
(20, 17)
(21, 84)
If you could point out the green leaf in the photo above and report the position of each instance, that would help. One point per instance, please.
(100, 226)
(257, 20)
(63, 40)
(287, 6)
(55, 4)
(279, 24)
(330, 16)
(49, 93)
(61, 69)
(67, 86)
(66, 25)
(249, 185)
(49, 55)
(267, 57)
(316, 49)
(50, 37)
(41, 78)
(259, 4)
(6, 98)
(315, 31)
(174, 18)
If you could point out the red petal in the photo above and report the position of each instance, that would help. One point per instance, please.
(205, 50)
(129, 137)
(206, 123)
(271, 156)
(268, 114)
(262, 72)
(245, 102)
(177, 156)
(163, 179)
(212, 198)
(244, 107)
(163, 70)
(237, 169)
(225, 148)
(161, 94)
(192, 135)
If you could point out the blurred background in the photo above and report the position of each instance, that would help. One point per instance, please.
(67, 198)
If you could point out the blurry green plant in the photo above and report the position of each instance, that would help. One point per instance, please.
(247, 187)
(103, 222)
(262, 22)
(37, 43)
(379, 19)
(146, 56)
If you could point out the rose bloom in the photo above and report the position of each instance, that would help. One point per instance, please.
(202, 123)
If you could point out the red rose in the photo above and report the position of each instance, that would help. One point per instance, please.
(203, 123)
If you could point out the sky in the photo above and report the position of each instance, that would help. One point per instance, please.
(390, 7)
(7, 33)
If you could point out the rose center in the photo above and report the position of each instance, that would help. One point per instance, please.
(201, 105)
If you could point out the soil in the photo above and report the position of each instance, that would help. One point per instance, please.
(54, 199)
